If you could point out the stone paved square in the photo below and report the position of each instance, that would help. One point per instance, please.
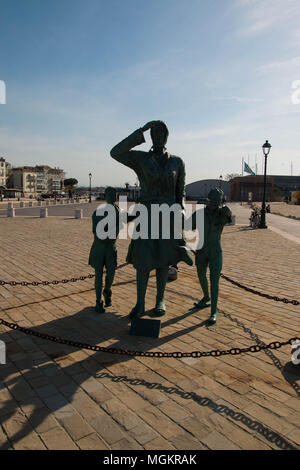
(53, 396)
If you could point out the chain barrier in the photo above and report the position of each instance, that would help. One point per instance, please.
(91, 276)
(128, 352)
(47, 283)
(261, 294)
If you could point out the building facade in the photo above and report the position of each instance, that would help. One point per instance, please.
(5, 168)
(200, 189)
(37, 180)
(278, 187)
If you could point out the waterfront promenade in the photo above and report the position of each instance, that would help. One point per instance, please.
(54, 396)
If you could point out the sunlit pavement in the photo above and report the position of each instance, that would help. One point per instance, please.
(58, 397)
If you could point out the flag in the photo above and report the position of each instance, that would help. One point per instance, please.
(247, 169)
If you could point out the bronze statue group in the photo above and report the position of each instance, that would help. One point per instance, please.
(162, 181)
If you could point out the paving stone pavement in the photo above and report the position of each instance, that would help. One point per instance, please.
(54, 396)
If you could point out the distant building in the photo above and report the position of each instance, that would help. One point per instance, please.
(278, 187)
(37, 180)
(10, 192)
(295, 199)
(4, 171)
(200, 189)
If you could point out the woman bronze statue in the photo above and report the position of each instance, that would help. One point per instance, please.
(162, 181)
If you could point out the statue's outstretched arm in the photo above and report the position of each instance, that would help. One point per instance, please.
(122, 151)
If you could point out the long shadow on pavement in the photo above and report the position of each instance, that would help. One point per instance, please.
(90, 327)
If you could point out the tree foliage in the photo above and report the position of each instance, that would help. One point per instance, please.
(230, 176)
(70, 182)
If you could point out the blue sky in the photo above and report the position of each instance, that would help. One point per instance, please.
(81, 76)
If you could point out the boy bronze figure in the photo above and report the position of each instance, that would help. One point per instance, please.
(103, 253)
(210, 254)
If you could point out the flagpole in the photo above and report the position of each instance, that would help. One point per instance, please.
(242, 166)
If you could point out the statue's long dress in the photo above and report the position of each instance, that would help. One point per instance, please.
(162, 180)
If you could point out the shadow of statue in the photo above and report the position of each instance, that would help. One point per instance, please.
(290, 372)
(85, 326)
(93, 328)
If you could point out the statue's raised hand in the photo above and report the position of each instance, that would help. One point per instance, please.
(148, 125)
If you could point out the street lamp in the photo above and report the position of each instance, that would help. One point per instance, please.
(266, 150)
(90, 198)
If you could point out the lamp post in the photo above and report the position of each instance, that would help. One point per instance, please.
(90, 197)
(266, 150)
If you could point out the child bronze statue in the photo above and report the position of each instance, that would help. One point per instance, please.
(104, 254)
(210, 254)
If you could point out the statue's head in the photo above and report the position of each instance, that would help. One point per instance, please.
(159, 134)
(110, 195)
(215, 197)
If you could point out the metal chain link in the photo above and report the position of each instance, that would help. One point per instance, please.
(47, 283)
(91, 276)
(129, 352)
(261, 294)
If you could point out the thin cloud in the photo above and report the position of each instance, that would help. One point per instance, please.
(238, 99)
(259, 16)
(283, 65)
(204, 134)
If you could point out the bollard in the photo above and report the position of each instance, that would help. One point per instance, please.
(43, 212)
(232, 220)
(22, 204)
(11, 212)
(78, 213)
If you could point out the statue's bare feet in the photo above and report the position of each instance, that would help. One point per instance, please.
(202, 303)
(213, 318)
(137, 311)
(107, 298)
(99, 307)
(160, 310)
